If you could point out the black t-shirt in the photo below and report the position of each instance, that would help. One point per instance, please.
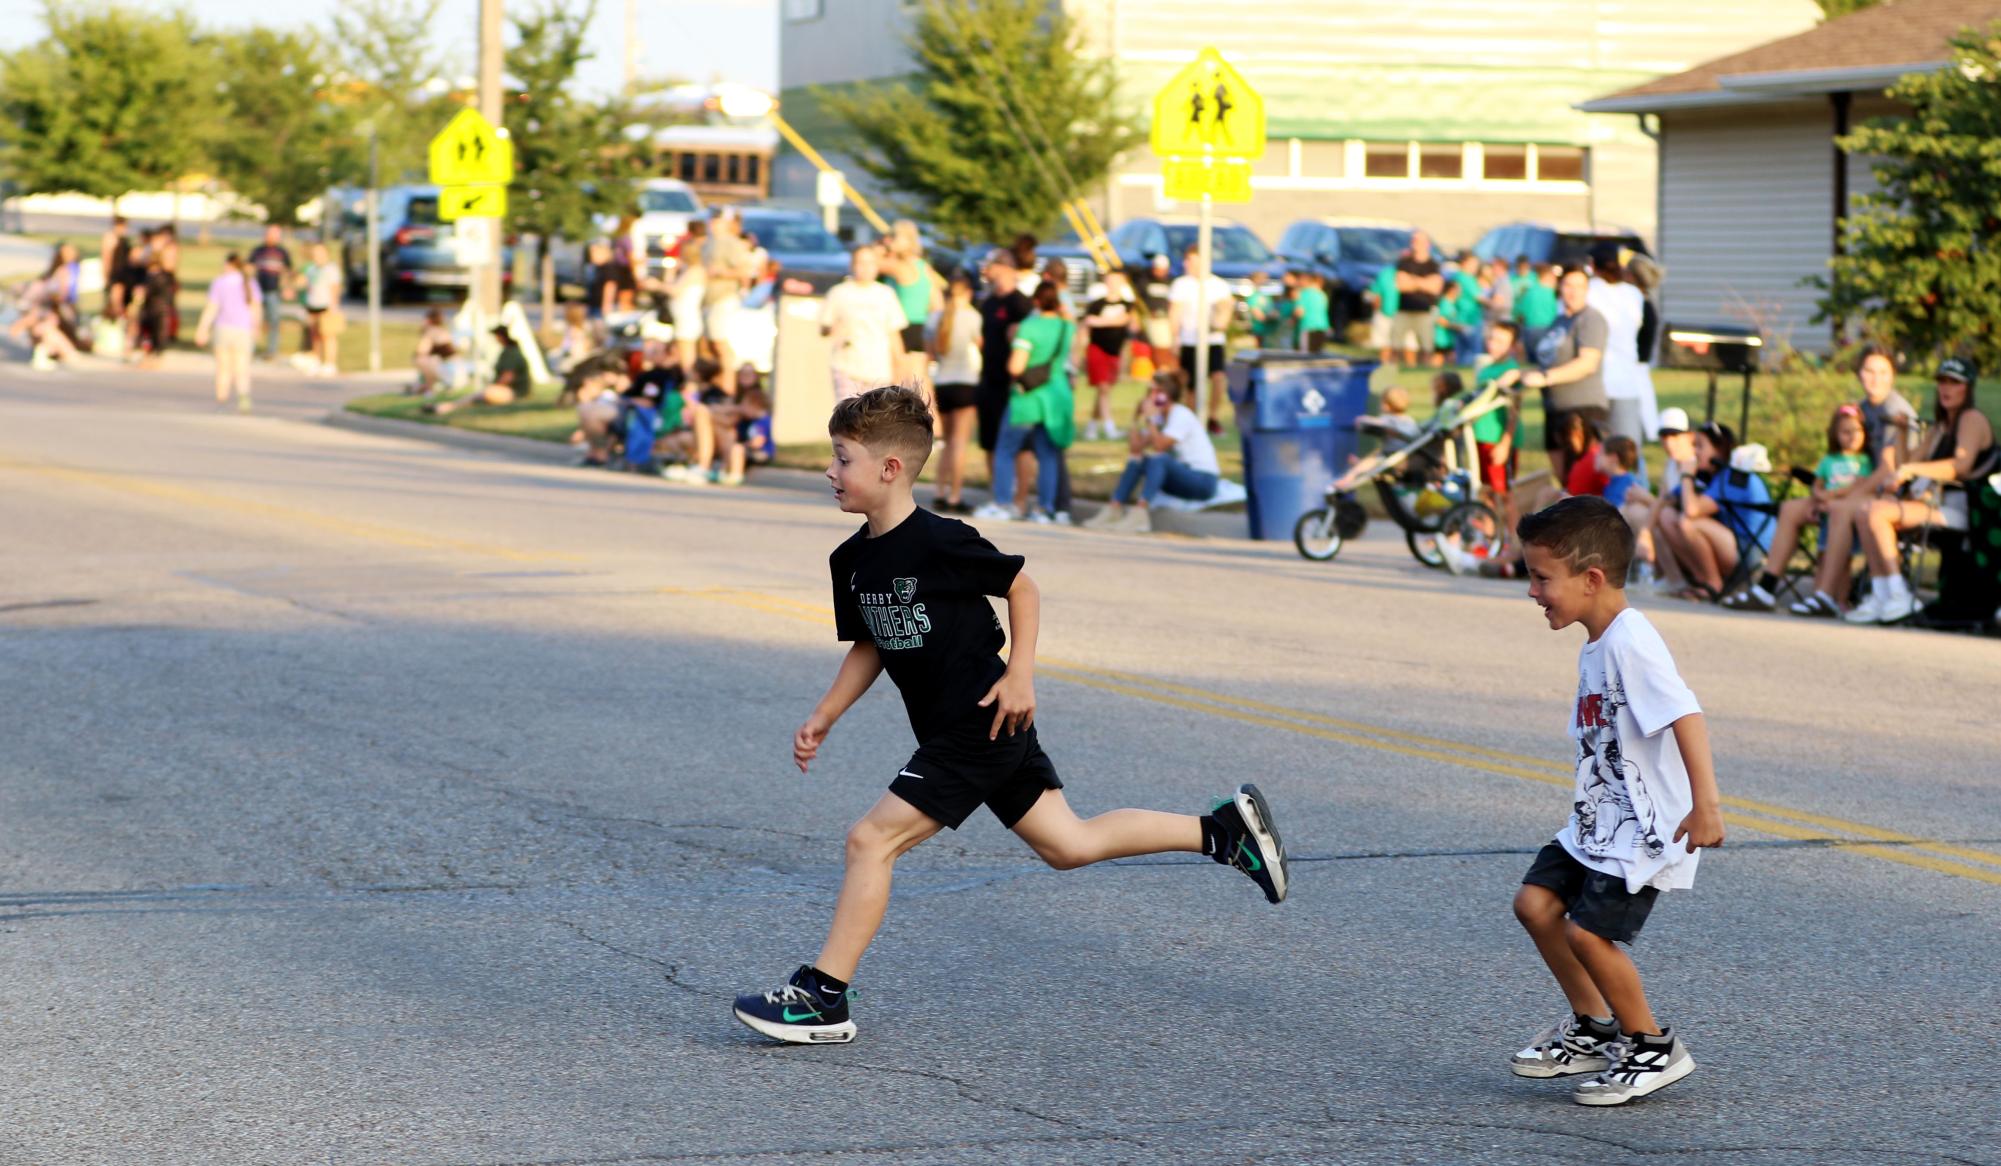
(650, 386)
(999, 316)
(919, 592)
(1112, 337)
(271, 262)
(1412, 301)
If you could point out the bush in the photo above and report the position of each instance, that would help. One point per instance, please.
(1790, 418)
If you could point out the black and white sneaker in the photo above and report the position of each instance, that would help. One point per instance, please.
(1250, 842)
(801, 1012)
(1645, 1064)
(1573, 1045)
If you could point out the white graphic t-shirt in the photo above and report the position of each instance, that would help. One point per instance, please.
(1632, 788)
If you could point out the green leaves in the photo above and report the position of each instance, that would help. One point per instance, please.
(571, 160)
(286, 85)
(1003, 120)
(1919, 266)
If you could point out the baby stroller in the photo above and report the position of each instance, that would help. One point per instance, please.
(1428, 484)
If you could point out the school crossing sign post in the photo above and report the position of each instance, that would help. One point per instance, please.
(1208, 127)
(472, 161)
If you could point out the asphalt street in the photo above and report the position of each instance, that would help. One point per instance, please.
(364, 800)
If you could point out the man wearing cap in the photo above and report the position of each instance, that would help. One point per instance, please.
(1002, 310)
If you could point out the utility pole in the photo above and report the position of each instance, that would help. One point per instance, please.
(487, 287)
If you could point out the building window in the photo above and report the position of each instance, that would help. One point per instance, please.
(752, 164)
(1559, 163)
(1436, 160)
(685, 164)
(1506, 164)
(734, 174)
(712, 167)
(1387, 160)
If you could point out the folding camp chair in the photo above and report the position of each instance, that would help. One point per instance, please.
(1754, 524)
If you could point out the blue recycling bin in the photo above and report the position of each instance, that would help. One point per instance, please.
(1296, 418)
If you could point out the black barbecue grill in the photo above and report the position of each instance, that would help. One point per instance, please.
(1717, 348)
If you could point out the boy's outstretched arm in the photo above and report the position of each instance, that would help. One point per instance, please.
(1013, 697)
(859, 668)
(1704, 825)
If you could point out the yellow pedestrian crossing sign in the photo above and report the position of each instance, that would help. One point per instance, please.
(469, 151)
(1208, 108)
(472, 202)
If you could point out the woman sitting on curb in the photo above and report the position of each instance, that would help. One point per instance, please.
(1171, 454)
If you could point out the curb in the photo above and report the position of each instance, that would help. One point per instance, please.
(1195, 525)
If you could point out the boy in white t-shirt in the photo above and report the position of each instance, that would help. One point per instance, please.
(1645, 802)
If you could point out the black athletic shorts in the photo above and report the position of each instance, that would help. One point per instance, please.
(1553, 422)
(913, 338)
(1217, 362)
(1597, 902)
(991, 400)
(959, 770)
(954, 397)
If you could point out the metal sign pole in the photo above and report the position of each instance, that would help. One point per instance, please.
(374, 256)
(1203, 309)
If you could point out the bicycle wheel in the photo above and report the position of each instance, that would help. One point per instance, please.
(1478, 533)
(1423, 546)
(1315, 535)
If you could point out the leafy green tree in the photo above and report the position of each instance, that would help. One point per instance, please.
(1836, 9)
(1918, 263)
(991, 74)
(571, 159)
(285, 135)
(109, 101)
(394, 78)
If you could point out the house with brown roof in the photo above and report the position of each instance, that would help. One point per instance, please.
(1751, 183)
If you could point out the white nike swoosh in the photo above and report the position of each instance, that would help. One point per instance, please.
(907, 773)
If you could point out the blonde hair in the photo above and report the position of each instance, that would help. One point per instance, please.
(1396, 399)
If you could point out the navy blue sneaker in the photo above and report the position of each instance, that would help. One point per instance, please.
(801, 1012)
(1250, 842)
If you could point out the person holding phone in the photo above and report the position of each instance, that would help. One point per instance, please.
(1171, 454)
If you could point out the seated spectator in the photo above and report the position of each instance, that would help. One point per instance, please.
(726, 414)
(579, 341)
(1575, 438)
(754, 430)
(1930, 492)
(1889, 424)
(434, 355)
(1843, 471)
(1618, 464)
(510, 382)
(1171, 454)
(1626, 488)
(1395, 421)
(600, 408)
(1701, 532)
(687, 430)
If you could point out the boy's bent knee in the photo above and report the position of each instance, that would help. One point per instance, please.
(868, 839)
(1537, 906)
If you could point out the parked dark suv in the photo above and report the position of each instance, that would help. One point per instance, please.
(1543, 243)
(1238, 254)
(417, 250)
(1348, 252)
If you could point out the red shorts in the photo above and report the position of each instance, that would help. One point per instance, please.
(1493, 472)
(1101, 368)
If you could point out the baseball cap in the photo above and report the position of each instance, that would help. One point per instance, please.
(1674, 419)
(1956, 369)
(1000, 257)
(1751, 458)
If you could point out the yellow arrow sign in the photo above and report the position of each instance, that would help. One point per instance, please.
(469, 151)
(472, 202)
(1208, 108)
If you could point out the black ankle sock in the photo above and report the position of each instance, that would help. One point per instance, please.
(1656, 1040)
(1215, 839)
(827, 985)
(1602, 1025)
(1769, 582)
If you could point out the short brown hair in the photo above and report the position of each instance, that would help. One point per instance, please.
(1623, 450)
(892, 419)
(1585, 532)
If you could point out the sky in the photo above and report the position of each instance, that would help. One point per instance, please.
(701, 40)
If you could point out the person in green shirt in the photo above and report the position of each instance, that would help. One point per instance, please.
(1494, 433)
(1042, 413)
(1460, 321)
(511, 379)
(1273, 316)
(1315, 329)
(1536, 307)
(1382, 295)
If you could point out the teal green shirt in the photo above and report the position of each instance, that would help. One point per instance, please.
(1313, 311)
(1838, 471)
(1047, 340)
(1488, 430)
(914, 296)
(1537, 306)
(1384, 288)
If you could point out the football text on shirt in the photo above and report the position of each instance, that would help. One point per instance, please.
(894, 622)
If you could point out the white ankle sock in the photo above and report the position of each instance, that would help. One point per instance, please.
(1896, 588)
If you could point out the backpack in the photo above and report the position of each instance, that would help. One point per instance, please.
(642, 429)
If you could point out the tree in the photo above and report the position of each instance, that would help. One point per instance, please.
(395, 79)
(1917, 261)
(111, 100)
(950, 138)
(286, 137)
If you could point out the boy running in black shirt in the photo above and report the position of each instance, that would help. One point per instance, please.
(910, 594)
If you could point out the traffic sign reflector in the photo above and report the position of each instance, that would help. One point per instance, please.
(469, 151)
(472, 202)
(1208, 108)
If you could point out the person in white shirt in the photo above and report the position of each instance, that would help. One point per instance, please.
(1183, 318)
(1645, 801)
(953, 336)
(865, 322)
(1629, 383)
(1171, 454)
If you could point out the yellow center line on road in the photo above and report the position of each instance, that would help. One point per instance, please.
(207, 500)
(1763, 817)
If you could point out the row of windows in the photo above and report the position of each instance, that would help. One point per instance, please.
(708, 166)
(1456, 161)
